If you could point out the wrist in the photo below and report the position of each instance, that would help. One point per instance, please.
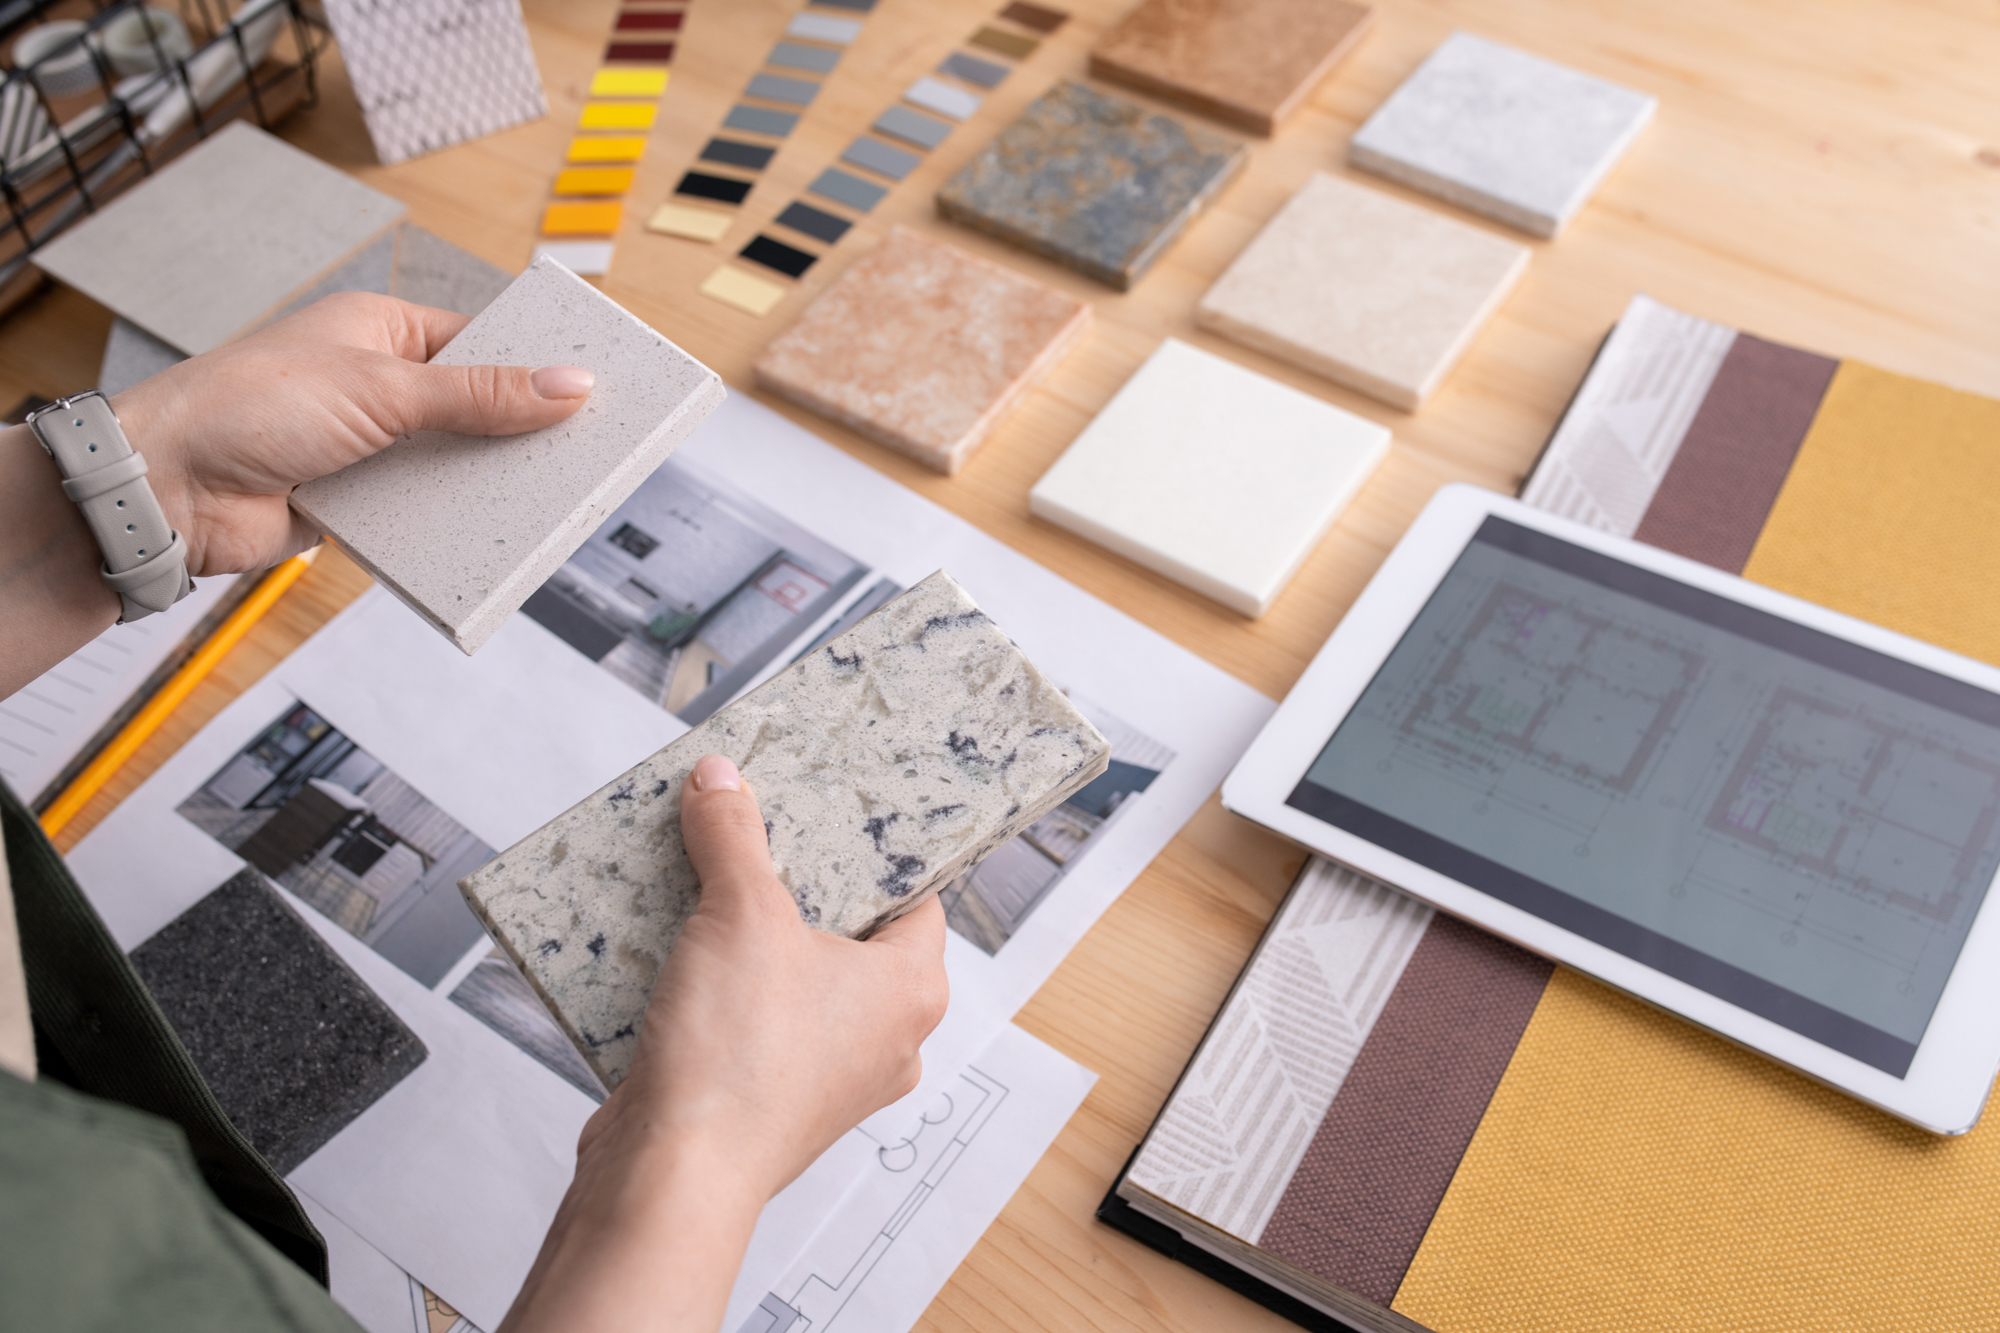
(149, 429)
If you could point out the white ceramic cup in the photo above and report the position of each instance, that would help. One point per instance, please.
(63, 75)
(130, 48)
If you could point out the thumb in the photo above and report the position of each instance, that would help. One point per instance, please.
(723, 830)
(485, 400)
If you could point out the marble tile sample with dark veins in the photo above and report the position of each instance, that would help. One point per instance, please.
(887, 762)
(1092, 180)
(292, 1042)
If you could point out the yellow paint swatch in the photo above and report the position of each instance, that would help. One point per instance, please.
(581, 219)
(697, 224)
(732, 286)
(594, 180)
(616, 116)
(628, 83)
(606, 148)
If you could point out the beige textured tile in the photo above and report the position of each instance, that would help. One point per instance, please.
(1369, 291)
(923, 347)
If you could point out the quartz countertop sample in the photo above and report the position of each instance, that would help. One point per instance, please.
(923, 347)
(1092, 180)
(464, 528)
(887, 762)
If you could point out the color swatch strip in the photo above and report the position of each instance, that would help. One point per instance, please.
(611, 131)
(772, 103)
(869, 168)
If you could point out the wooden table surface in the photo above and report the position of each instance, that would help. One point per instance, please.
(1821, 174)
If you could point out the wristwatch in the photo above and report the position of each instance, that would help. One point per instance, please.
(145, 561)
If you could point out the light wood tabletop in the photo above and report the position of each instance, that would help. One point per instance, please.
(1822, 175)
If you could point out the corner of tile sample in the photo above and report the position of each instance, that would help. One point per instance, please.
(220, 239)
(1092, 180)
(923, 347)
(1501, 132)
(464, 528)
(1246, 63)
(1211, 475)
(887, 763)
(1370, 291)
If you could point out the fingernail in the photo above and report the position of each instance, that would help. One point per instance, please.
(715, 773)
(562, 382)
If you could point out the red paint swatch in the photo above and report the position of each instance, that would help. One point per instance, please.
(642, 53)
(635, 19)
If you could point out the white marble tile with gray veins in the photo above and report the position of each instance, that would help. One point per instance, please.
(887, 763)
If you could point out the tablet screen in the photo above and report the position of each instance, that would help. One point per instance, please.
(1794, 823)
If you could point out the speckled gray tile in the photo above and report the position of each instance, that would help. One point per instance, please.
(220, 239)
(432, 271)
(463, 528)
(1093, 181)
(131, 354)
(887, 764)
(372, 270)
(1501, 132)
(294, 1045)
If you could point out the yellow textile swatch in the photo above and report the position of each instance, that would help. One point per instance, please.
(606, 148)
(732, 286)
(616, 116)
(594, 180)
(628, 83)
(697, 224)
(599, 219)
(1634, 1173)
(1891, 511)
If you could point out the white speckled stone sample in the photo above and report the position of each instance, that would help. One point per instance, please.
(1365, 289)
(1501, 132)
(1212, 475)
(220, 239)
(463, 528)
(887, 764)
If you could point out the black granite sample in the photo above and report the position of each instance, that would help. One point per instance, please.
(293, 1043)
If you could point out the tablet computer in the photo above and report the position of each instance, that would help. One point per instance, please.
(1774, 820)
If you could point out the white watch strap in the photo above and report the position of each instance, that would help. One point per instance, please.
(145, 561)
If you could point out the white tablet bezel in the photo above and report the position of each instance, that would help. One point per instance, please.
(1949, 1079)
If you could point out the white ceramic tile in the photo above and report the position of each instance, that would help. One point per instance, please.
(219, 240)
(1502, 132)
(939, 96)
(590, 259)
(1372, 292)
(464, 528)
(1210, 474)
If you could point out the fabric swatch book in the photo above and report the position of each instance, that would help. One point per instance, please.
(1399, 1122)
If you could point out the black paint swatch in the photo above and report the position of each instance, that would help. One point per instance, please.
(786, 259)
(703, 186)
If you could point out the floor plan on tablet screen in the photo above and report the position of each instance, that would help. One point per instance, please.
(1824, 825)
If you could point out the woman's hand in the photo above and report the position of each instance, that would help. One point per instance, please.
(765, 1041)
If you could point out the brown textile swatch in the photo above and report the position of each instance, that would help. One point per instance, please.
(1731, 464)
(1364, 1194)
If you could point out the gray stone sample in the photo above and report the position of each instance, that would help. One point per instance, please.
(293, 1043)
(887, 764)
(464, 528)
(1093, 181)
(432, 271)
(131, 354)
(1502, 132)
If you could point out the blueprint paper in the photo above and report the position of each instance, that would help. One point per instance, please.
(432, 73)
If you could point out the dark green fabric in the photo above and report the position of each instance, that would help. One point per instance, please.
(97, 1030)
(106, 1224)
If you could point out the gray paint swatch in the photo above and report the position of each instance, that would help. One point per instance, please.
(776, 88)
(796, 55)
(878, 156)
(899, 122)
(760, 120)
(837, 185)
(973, 70)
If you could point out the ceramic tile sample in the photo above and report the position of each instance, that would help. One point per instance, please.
(432, 271)
(372, 270)
(747, 292)
(887, 763)
(1093, 181)
(131, 354)
(923, 347)
(1247, 63)
(1212, 475)
(294, 1045)
(430, 73)
(936, 95)
(696, 224)
(1502, 132)
(1371, 292)
(222, 238)
(589, 259)
(463, 529)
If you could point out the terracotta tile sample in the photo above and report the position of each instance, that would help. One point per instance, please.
(1092, 180)
(221, 239)
(1501, 132)
(1247, 63)
(463, 529)
(923, 347)
(888, 762)
(1213, 475)
(1371, 292)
